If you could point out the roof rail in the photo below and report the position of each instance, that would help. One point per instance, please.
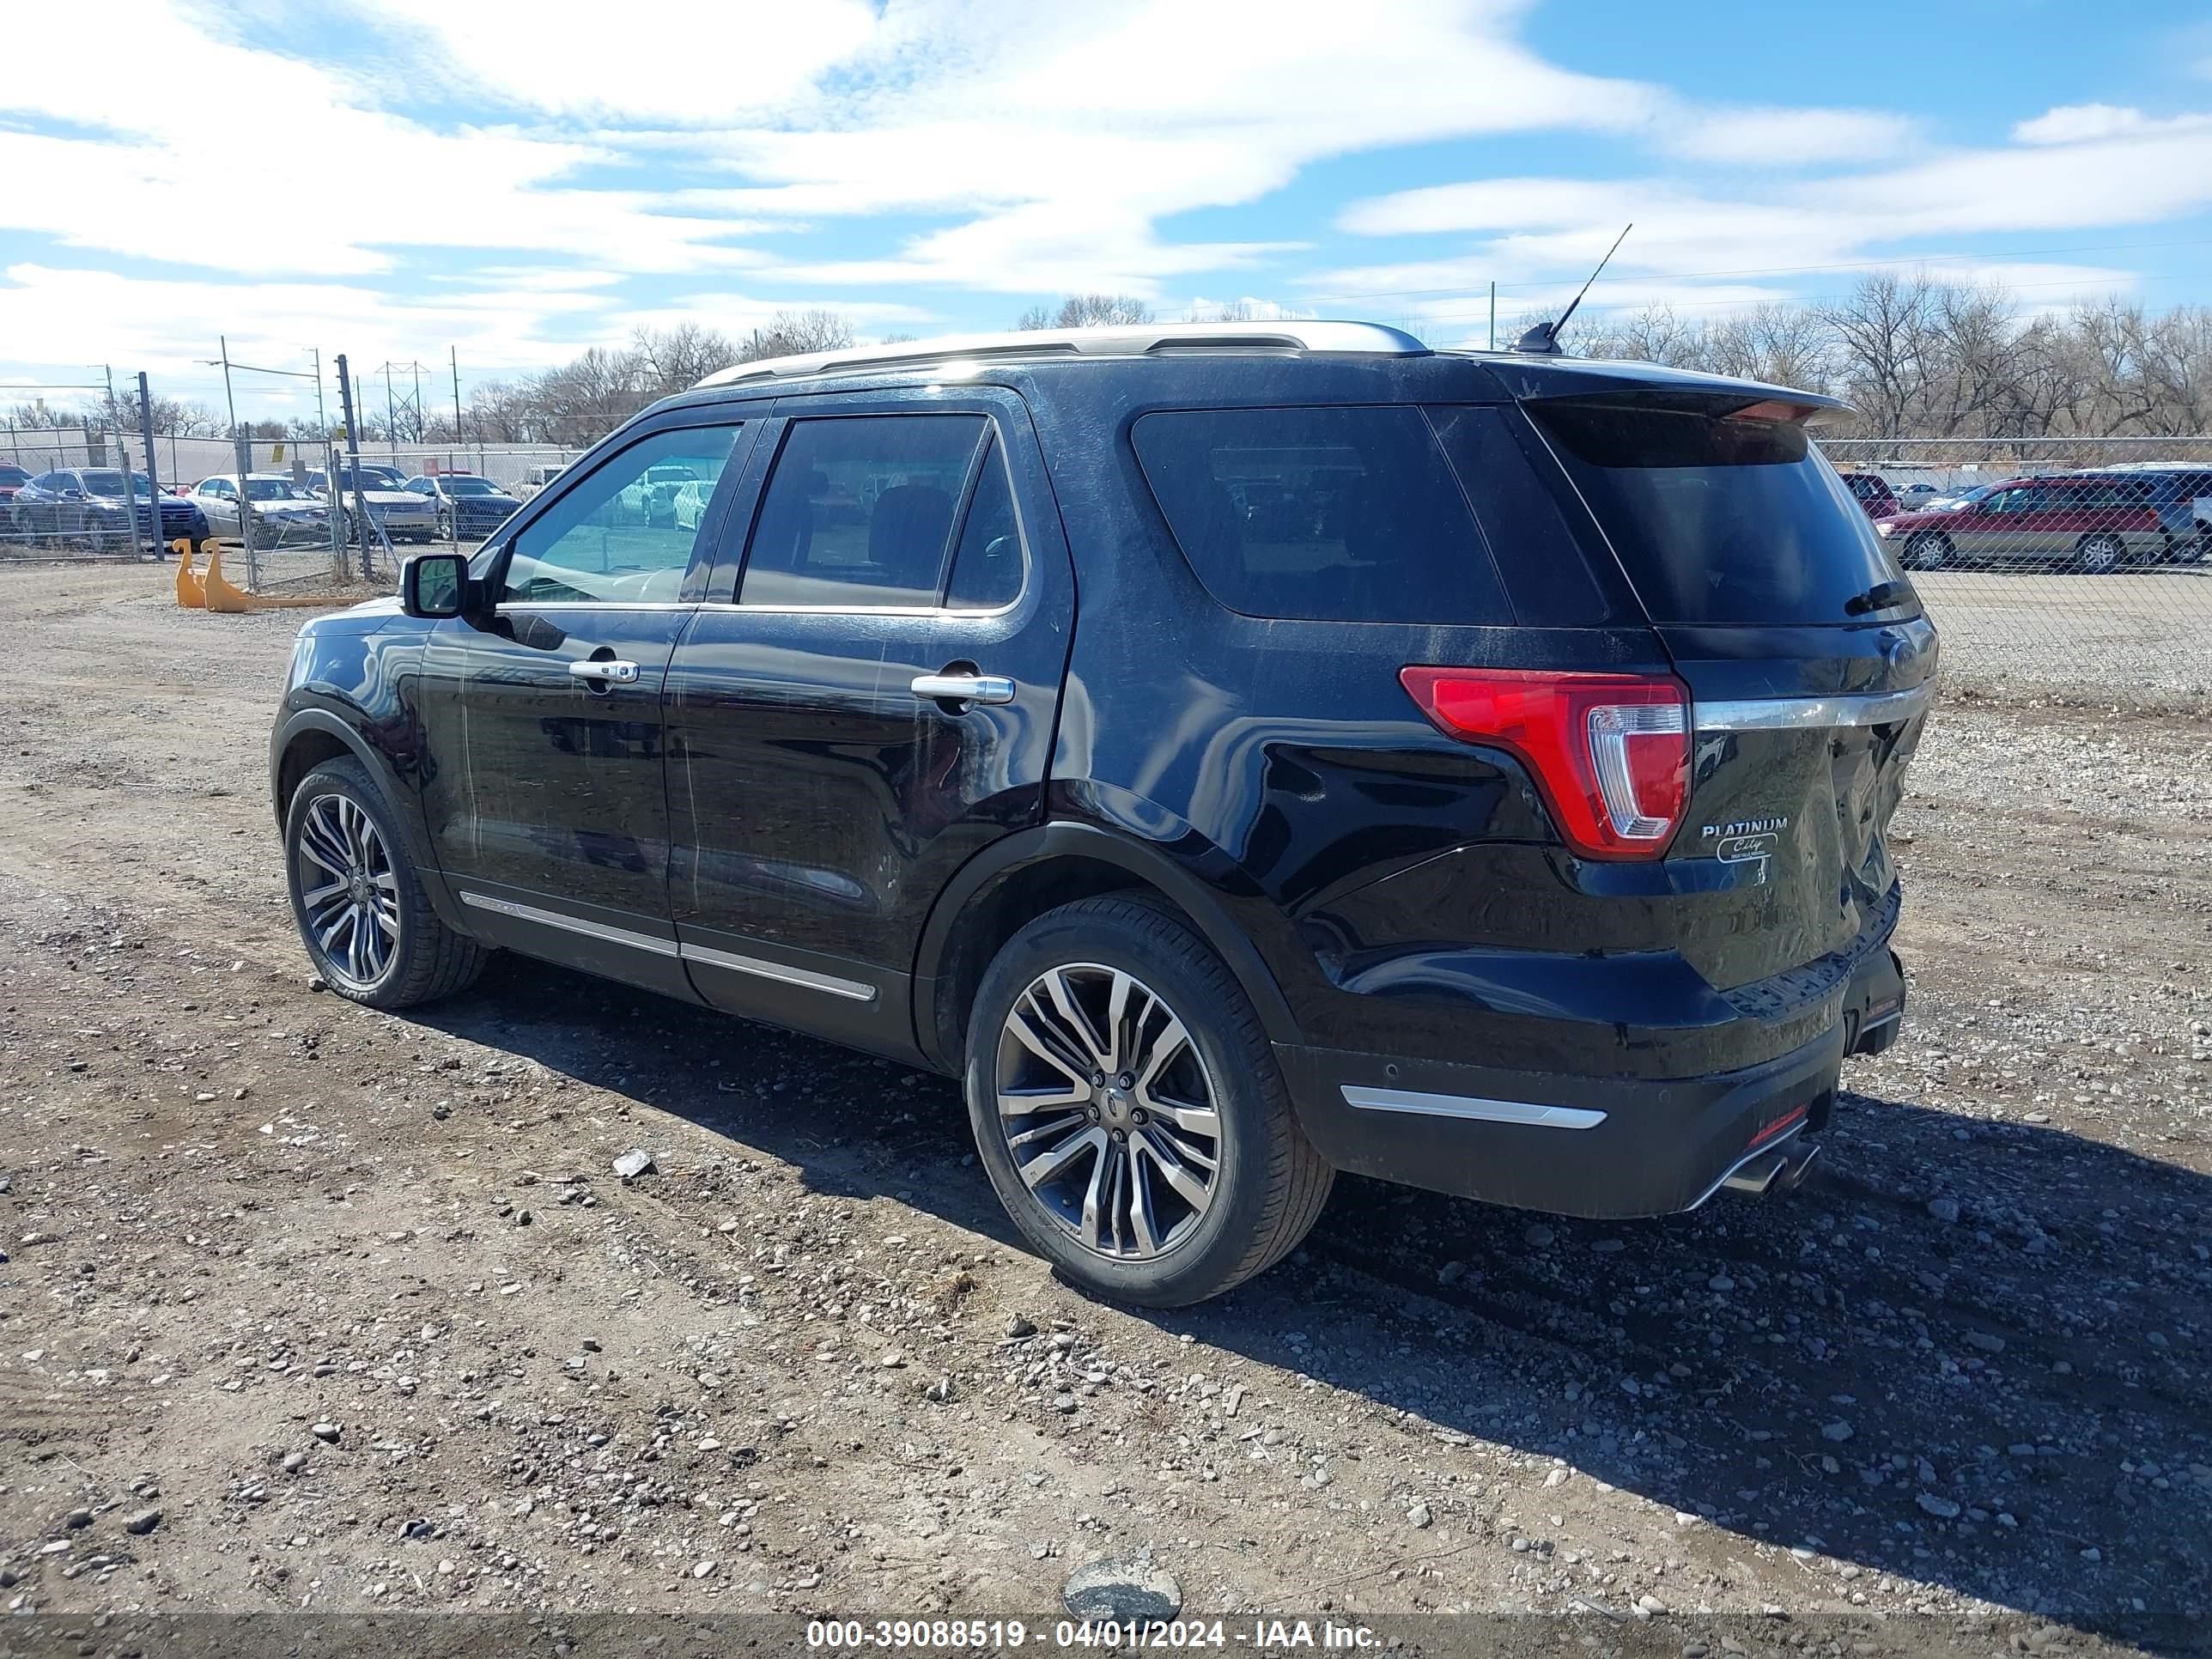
(1119, 341)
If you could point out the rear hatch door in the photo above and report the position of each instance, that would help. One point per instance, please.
(1807, 657)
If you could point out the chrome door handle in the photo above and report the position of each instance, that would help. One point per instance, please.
(963, 688)
(606, 673)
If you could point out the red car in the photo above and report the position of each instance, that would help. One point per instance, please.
(1873, 491)
(2090, 522)
(12, 478)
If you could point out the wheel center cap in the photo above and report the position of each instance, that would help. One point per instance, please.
(1115, 1103)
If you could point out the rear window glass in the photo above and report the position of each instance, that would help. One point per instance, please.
(1346, 514)
(1718, 521)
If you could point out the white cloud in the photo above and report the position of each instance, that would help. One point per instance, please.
(2106, 168)
(1768, 137)
(702, 62)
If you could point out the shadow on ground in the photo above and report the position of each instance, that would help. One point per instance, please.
(2011, 1404)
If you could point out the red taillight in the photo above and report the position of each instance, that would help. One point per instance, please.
(1611, 752)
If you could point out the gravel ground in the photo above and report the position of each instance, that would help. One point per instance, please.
(305, 1307)
(2142, 636)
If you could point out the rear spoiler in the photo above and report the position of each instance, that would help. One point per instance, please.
(1652, 386)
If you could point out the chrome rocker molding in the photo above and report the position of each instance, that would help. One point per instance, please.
(1524, 1112)
(807, 979)
(1812, 714)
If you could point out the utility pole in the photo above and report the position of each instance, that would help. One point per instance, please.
(454, 353)
(242, 448)
(330, 472)
(353, 456)
(153, 479)
(1493, 315)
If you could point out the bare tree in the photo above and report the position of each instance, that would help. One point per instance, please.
(1088, 311)
(674, 359)
(791, 333)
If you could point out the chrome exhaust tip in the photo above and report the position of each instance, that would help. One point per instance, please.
(1779, 1168)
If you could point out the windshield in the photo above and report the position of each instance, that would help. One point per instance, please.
(14, 474)
(271, 489)
(469, 487)
(1718, 521)
(107, 481)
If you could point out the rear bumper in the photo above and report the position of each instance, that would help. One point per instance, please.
(1600, 1146)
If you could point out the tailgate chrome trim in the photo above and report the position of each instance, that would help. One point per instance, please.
(1812, 714)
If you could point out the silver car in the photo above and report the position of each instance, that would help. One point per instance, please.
(282, 512)
(405, 516)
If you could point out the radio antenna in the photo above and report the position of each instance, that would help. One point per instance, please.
(1543, 339)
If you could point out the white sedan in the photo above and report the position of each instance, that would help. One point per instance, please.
(282, 510)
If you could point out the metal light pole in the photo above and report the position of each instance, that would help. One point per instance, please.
(454, 356)
(242, 448)
(153, 477)
(330, 472)
(353, 457)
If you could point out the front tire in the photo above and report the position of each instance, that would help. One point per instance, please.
(367, 923)
(1128, 1109)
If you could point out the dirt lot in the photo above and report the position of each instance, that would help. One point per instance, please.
(306, 1307)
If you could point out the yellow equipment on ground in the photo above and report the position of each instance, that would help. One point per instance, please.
(209, 592)
(190, 594)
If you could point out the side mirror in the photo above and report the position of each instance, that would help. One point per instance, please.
(434, 586)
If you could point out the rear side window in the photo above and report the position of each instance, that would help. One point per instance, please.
(858, 510)
(1719, 520)
(1346, 514)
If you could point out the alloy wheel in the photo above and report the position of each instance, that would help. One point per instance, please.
(347, 891)
(2101, 554)
(1109, 1112)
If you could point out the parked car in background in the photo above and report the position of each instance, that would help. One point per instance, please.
(2091, 522)
(1918, 493)
(469, 507)
(535, 479)
(12, 478)
(1872, 491)
(89, 504)
(283, 511)
(405, 516)
(690, 505)
(1488, 812)
(2182, 493)
(651, 500)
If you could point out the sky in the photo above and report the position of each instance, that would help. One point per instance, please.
(511, 181)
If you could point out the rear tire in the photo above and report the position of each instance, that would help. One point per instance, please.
(1129, 1209)
(2099, 554)
(367, 923)
(1927, 550)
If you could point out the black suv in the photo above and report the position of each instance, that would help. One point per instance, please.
(1237, 753)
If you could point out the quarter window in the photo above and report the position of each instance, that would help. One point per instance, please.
(859, 510)
(1350, 513)
(617, 535)
(987, 569)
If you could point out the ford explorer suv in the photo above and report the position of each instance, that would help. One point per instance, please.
(1237, 753)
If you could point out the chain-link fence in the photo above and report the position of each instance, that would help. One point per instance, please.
(266, 504)
(2067, 564)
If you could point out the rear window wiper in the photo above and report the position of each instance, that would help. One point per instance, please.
(1880, 597)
